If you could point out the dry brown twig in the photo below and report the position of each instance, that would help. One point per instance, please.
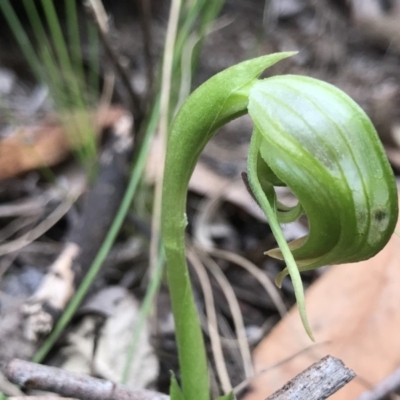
(35, 376)
(233, 304)
(317, 382)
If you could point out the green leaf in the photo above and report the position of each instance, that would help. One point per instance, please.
(175, 392)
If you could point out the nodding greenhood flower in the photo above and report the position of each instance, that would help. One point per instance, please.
(314, 139)
(309, 136)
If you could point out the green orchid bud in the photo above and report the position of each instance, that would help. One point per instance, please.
(313, 138)
(321, 144)
(309, 136)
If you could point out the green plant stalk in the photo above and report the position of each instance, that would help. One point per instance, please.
(210, 13)
(74, 38)
(195, 21)
(57, 35)
(222, 105)
(190, 44)
(46, 53)
(201, 12)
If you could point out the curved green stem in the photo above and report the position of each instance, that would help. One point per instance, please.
(219, 100)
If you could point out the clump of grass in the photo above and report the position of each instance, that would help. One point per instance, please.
(56, 60)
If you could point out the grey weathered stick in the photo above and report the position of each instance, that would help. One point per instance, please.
(384, 388)
(35, 376)
(317, 382)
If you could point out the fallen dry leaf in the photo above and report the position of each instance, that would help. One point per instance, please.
(354, 312)
(113, 341)
(47, 143)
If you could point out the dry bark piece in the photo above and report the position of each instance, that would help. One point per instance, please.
(353, 312)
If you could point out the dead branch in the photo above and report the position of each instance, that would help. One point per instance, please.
(69, 384)
(86, 237)
(317, 382)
